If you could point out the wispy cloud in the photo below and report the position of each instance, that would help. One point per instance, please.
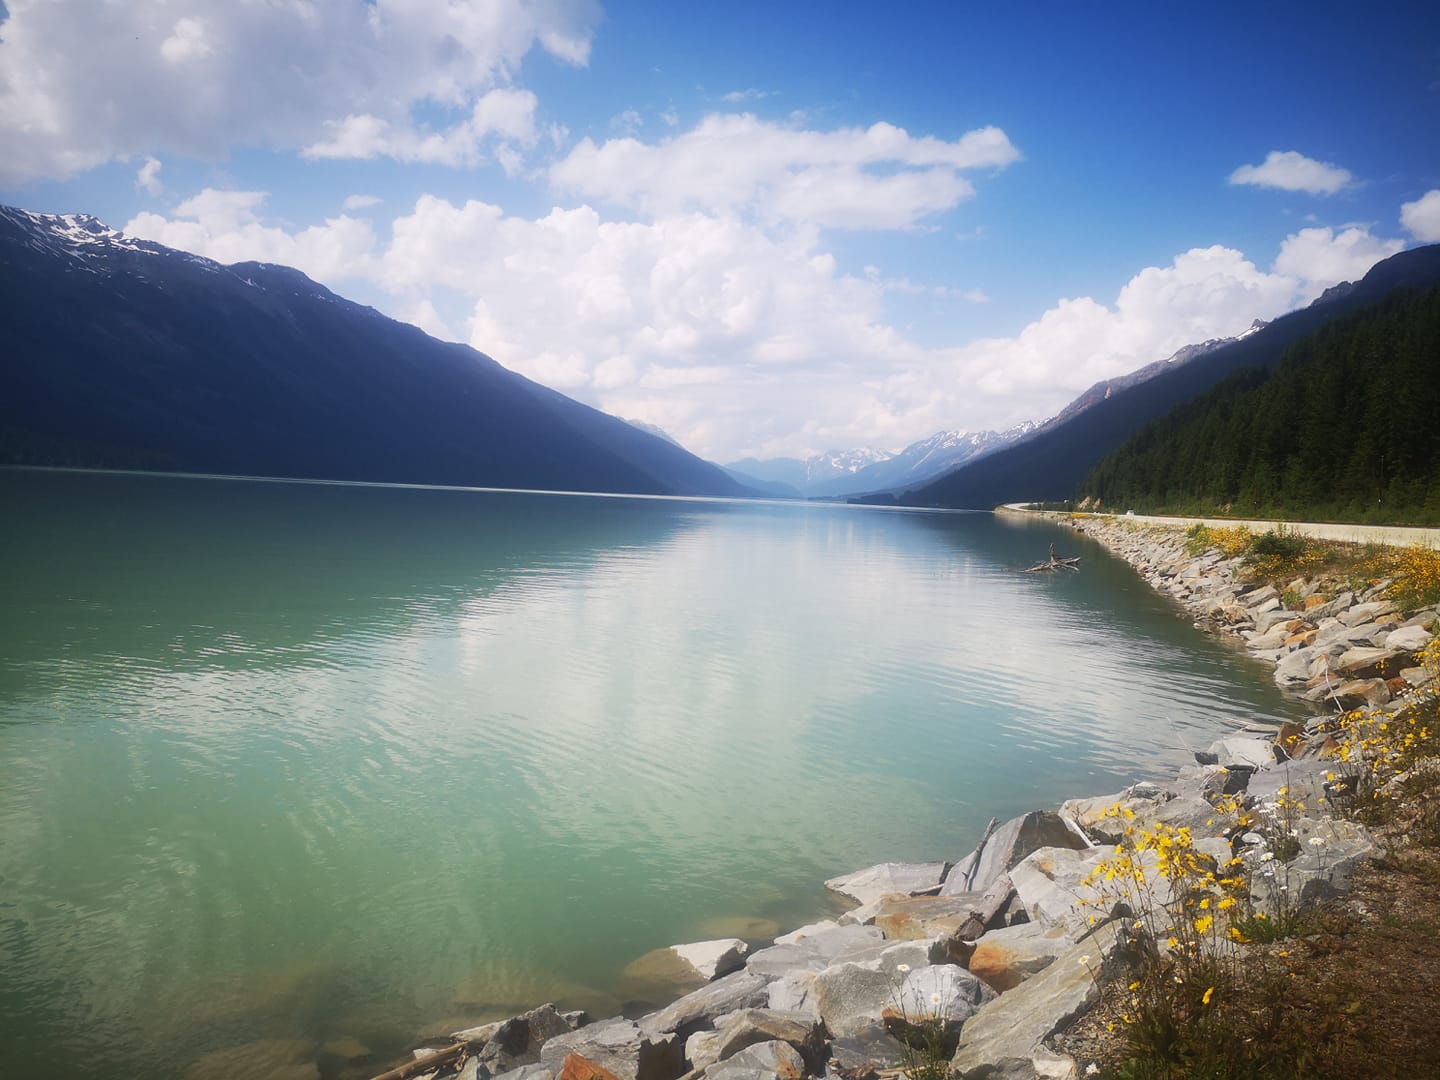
(148, 178)
(1288, 170)
(736, 97)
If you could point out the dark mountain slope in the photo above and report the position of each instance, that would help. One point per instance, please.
(1051, 465)
(125, 353)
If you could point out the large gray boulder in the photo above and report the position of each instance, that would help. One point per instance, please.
(1294, 668)
(1005, 958)
(1271, 619)
(881, 879)
(816, 951)
(1010, 843)
(711, 959)
(698, 1009)
(942, 992)
(1001, 1041)
(794, 993)
(1331, 849)
(1409, 638)
(747, 1027)
(1368, 612)
(620, 1047)
(1092, 814)
(1331, 608)
(1338, 637)
(1368, 663)
(1272, 639)
(1258, 596)
(850, 997)
(922, 917)
(509, 1044)
(764, 1061)
(1051, 884)
(863, 1055)
(1243, 750)
(1304, 781)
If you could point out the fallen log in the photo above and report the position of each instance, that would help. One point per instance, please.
(424, 1064)
(1056, 564)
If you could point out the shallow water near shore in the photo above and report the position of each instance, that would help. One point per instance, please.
(294, 772)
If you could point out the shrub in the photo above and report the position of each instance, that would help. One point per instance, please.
(1414, 574)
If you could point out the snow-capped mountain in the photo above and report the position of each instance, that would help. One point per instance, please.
(848, 472)
(839, 464)
(801, 475)
(922, 461)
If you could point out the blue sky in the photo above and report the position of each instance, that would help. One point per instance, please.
(769, 229)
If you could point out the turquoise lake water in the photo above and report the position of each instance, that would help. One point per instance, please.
(289, 772)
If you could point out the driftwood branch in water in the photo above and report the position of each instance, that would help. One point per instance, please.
(424, 1064)
(1055, 563)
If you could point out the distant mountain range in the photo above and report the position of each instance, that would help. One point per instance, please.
(838, 473)
(124, 353)
(843, 473)
(804, 477)
(1050, 463)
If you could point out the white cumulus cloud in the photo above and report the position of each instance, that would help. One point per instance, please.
(1421, 218)
(1320, 257)
(879, 177)
(1292, 171)
(199, 77)
(189, 40)
(506, 116)
(147, 179)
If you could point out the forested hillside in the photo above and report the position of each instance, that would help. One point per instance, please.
(1053, 463)
(1346, 428)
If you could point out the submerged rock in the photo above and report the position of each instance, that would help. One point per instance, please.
(698, 960)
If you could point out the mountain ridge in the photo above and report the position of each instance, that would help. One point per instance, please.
(129, 354)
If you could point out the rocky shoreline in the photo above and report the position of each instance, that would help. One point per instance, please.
(1343, 651)
(974, 967)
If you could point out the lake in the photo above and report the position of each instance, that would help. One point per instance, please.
(294, 772)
